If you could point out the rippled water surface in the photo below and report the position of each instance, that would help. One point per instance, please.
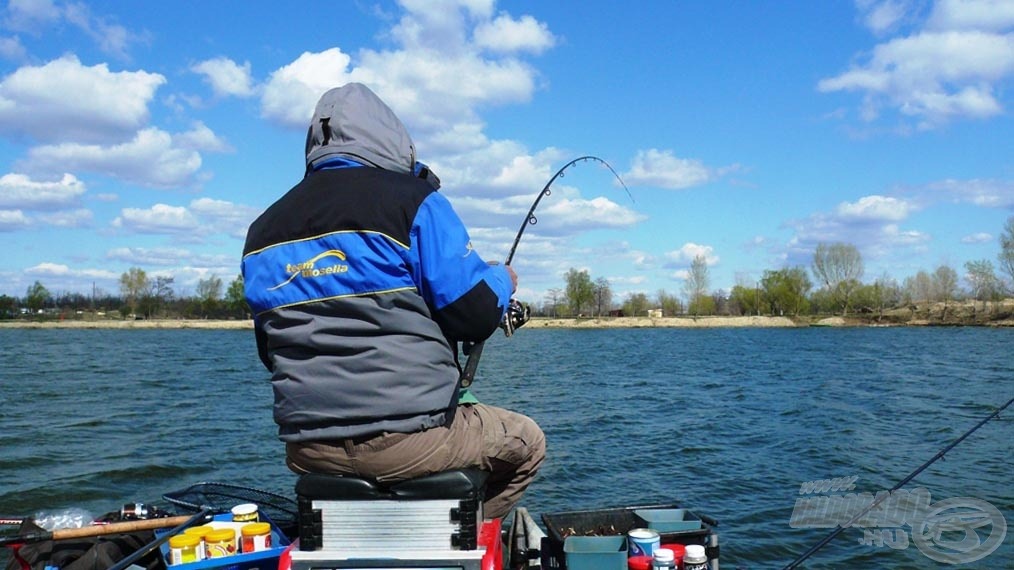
(727, 422)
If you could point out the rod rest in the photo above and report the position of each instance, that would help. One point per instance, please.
(456, 484)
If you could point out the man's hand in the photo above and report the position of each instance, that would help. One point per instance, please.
(510, 271)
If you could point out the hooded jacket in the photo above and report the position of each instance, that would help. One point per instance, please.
(362, 279)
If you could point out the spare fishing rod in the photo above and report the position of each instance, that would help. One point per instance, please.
(518, 313)
(883, 496)
(91, 531)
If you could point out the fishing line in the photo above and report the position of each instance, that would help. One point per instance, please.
(883, 496)
(517, 314)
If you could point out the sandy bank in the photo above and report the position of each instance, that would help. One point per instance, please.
(538, 322)
(664, 322)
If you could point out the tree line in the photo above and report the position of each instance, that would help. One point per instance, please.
(831, 285)
(140, 296)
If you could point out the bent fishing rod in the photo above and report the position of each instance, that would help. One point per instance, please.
(882, 497)
(518, 313)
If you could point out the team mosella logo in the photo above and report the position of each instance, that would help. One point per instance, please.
(309, 269)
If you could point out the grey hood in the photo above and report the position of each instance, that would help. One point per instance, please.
(352, 122)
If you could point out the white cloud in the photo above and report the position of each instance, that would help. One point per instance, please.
(435, 80)
(662, 168)
(292, 91)
(12, 220)
(439, 24)
(870, 224)
(690, 251)
(11, 49)
(78, 218)
(980, 192)
(980, 237)
(505, 34)
(577, 214)
(29, 15)
(106, 106)
(202, 138)
(995, 15)
(226, 77)
(111, 38)
(882, 16)
(952, 68)
(874, 208)
(150, 159)
(34, 16)
(20, 191)
(227, 217)
(157, 256)
(627, 280)
(202, 217)
(160, 218)
(47, 269)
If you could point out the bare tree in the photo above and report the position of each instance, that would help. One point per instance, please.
(983, 280)
(636, 304)
(603, 295)
(839, 267)
(945, 286)
(1006, 256)
(669, 303)
(553, 298)
(696, 285)
(209, 291)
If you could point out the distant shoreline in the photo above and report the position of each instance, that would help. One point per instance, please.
(141, 324)
(536, 322)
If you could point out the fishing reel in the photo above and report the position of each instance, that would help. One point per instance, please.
(517, 315)
(141, 511)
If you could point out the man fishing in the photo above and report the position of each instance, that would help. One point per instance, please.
(363, 281)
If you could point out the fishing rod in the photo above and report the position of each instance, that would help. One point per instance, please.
(883, 496)
(517, 313)
(202, 516)
(97, 530)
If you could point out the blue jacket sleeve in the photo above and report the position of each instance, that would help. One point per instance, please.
(467, 295)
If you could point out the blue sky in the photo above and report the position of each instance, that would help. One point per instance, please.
(150, 134)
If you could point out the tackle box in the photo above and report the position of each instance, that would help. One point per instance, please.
(262, 560)
(614, 522)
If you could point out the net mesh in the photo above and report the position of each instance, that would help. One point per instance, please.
(282, 511)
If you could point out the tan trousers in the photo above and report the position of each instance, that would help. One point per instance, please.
(509, 445)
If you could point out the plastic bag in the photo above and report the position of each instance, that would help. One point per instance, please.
(67, 518)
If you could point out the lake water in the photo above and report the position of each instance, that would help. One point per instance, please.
(727, 422)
